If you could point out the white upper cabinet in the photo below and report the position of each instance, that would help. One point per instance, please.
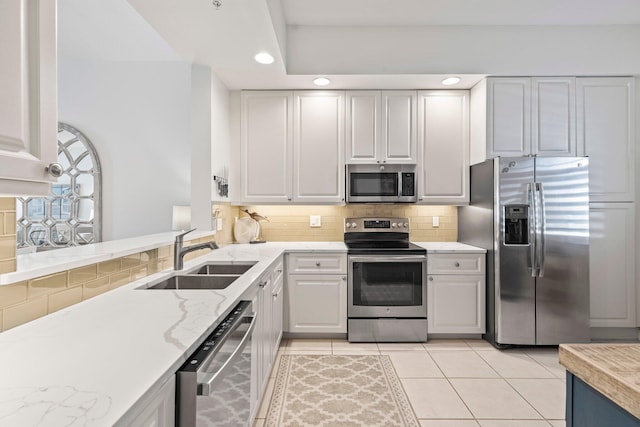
(28, 96)
(363, 126)
(381, 126)
(521, 116)
(318, 147)
(443, 139)
(266, 148)
(553, 116)
(605, 133)
(292, 147)
(508, 113)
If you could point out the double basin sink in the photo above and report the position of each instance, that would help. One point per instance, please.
(208, 276)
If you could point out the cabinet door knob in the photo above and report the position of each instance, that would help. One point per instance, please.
(54, 169)
(262, 284)
(457, 264)
(431, 278)
(344, 278)
(317, 264)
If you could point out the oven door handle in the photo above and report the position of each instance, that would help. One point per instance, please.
(387, 258)
(205, 387)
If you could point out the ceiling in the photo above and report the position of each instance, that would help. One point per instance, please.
(361, 44)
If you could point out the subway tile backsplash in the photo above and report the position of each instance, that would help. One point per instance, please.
(291, 223)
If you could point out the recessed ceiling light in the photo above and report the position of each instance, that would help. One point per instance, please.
(264, 58)
(451, 81)
(321, 81)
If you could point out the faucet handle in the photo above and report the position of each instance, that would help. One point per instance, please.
(181, 235)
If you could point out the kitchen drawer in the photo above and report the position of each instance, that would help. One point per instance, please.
(278, 270)
(317, 263)
(453, 263)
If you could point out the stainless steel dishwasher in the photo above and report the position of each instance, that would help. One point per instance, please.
(214, 385)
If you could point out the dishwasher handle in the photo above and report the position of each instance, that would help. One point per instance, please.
(207, 385)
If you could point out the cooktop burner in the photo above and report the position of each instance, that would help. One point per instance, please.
(379, 236)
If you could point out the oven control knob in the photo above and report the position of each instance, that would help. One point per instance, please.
(394, 225)
(354, 225)
(405, 225)
(348, 225)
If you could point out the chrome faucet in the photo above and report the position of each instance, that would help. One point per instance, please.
(179, 252)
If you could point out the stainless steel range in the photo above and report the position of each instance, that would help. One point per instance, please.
(387, 293)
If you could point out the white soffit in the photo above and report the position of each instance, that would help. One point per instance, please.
(461, 12)
(410, 44)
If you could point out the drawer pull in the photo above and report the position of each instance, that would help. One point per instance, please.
(317, 264)
(431, 278)
(457, 264)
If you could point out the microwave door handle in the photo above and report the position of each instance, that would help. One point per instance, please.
(207, 385)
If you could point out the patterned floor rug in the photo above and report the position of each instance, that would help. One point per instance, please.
(338, 391)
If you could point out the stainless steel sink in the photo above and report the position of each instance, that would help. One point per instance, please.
(220, 281)
(223, 268)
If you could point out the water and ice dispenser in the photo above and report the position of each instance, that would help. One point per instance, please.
(516, 224)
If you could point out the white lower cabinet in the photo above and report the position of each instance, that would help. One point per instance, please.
(277, 307)
(456, 293)
(267, 304)
(161, 411)
(317, 301)
(612, 278)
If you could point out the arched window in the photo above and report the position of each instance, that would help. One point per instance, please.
(71, 215)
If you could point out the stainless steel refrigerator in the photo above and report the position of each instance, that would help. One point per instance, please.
(532, 216)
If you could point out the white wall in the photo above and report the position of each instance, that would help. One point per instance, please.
(201, 179)
(220, 132)
(137, 115)
(496, 50)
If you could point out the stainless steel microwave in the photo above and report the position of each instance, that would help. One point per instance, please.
(394, 183)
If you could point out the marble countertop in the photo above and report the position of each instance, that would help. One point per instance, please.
(97, 363)
(612, 369)
(39, 264)
(444, 247)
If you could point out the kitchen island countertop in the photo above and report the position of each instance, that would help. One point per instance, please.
(611, 369)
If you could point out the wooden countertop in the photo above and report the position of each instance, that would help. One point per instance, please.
(611, 369)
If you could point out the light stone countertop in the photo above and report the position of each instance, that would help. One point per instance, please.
(611, 369)
(445, 247)
(99, 362)
(38, 264)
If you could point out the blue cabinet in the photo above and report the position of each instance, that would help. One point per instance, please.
(587, 407)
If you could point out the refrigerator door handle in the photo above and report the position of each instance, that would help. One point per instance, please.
(531, 195)
(541, 246)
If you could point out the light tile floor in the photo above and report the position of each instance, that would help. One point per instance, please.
(461, 383)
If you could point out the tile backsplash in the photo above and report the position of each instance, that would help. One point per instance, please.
(291, 223)
(28, 300)
(7, 234)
